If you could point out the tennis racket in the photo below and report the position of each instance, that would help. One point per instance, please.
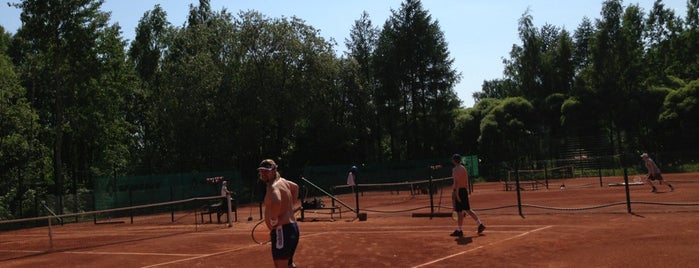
(260, 234)
(637, 179)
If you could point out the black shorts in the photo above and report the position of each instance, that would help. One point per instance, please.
(657, 176)
(285, 238)
(464, 204)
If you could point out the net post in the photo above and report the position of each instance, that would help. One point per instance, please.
(229, 210)
(599, 171)
(172, 208)
(546, 174)
(429, 186)
(50, 234)
(131, 204)
(519, 194)
(356, 193)
(356, 198)
(94, 204)
(626, 185)
(196, 223)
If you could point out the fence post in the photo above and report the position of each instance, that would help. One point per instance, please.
(228, 199)
(429, 187)
(50, 234)
(628, 196)
(131, 204)
(172, 207)
(519, 195)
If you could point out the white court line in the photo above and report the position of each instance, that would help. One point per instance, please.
(414, 231)
(22, 251)
(103, 253)
(213, 254)
(130, 253)
(22, 235)
(199, 256)
(479, 247)
(412, 227)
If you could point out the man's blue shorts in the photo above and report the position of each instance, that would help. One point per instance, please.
(285, 238)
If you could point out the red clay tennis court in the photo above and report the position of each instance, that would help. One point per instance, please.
(587, 224)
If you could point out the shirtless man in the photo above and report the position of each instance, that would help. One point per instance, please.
(279, 202)
(460, 196)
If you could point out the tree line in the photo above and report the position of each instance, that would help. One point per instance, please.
(224, 91)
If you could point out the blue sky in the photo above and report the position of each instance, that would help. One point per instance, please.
(480, 33)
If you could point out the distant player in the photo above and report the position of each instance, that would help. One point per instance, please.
(654, 173)
(224, 189)
(351, 177)
(460, 196)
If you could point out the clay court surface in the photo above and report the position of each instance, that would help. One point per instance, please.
(584, 225)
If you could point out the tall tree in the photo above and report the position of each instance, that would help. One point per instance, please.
(287, 102)
(631, 55)
(542, 71)
(151, 41)
(615, 76)
(577, 107)
(146, 52)
(192, 79)
(680, 110)
(581, 40)
(70, 67)
(661, 31)
(685, 46)
(606, 70)
(360, 85)
(23, 159)
(416, 83)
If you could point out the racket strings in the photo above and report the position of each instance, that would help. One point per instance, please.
(260, 236)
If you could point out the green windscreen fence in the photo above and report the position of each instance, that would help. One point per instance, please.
(471, 163)
(115, 192)
(389, 172)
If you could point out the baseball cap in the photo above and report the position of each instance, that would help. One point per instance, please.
(267, 164)
(644, 155)
(456, 157)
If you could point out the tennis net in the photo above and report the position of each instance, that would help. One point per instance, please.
(562, 172)
(22, 237)
(413, 188)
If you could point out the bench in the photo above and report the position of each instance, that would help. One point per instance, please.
(332, 210)
(219, 209)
